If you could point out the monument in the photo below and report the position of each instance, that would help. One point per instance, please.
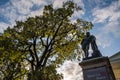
(96, 66)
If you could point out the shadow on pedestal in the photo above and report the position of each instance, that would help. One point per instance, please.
(98, 68)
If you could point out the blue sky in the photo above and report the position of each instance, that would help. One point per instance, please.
(105, 15)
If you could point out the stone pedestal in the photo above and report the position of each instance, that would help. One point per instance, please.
(97, 69)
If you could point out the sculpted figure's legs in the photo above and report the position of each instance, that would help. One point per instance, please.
(86, 51)
(94, 46)
(96, 52)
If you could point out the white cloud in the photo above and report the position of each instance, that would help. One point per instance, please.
(103, 40)
(71, 71)
(21, 6)
(3, 26)
(113, 27)
(21, 9)
(39, 2)
(110, 17)
(78, 14)
(101, 15)
(16, 10)
(108, 33)
(35, 13)
(58, 3)
(112, 13)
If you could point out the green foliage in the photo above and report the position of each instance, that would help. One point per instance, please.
(10, 59)
(42, 43)
(48, 73)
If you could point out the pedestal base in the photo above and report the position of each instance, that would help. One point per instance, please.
(97, 69)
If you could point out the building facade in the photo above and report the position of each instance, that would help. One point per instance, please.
(115, 63)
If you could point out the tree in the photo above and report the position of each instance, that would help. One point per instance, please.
(10, 62)
(46, 41)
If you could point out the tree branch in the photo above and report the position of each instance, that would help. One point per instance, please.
(32, 55)
(51, 42)
(35, 52)
(46, 58)
(42, 41)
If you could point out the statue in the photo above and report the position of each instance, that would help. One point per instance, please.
(90, 39)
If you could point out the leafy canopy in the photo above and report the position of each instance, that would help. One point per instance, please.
(44, 42)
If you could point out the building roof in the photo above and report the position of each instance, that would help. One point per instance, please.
(115, 57)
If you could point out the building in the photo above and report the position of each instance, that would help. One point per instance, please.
(115, 63)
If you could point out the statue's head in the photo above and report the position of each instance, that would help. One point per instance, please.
(88, 34)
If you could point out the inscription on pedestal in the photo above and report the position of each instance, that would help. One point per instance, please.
(99, 73)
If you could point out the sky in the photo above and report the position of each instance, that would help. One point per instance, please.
(104, 14)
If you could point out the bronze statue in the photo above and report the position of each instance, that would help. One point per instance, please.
(90, 39)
